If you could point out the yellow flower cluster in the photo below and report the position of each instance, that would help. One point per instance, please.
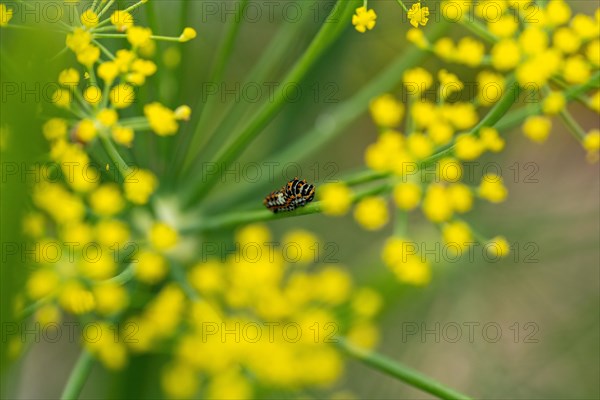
(549, 52)
(254, 311)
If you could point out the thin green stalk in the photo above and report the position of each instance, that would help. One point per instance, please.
(516, 117)
(575, 129)
(78, 376)
(205, 110)
(125, 276)
(230, 220)
(399, 371)
(327, 34)
(114, 155)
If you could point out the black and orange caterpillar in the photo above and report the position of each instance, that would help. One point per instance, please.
(296, 193)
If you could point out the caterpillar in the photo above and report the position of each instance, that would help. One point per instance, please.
(296, 193)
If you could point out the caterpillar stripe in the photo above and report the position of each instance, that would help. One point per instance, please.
(296, 193)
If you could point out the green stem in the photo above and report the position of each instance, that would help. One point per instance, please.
(402, 5)
(575, 129)
(125, 276)
(399, 371)
(78, 376)
(237, 218)
(114, 154)
(327, 34)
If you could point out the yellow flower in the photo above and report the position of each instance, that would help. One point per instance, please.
(207, 278)
(490, 87)
(138, 36)
(111, 232)
(107, 117)
(585, 27)
(533, 40)
(187, 34)
(591, 143)
(460, 197)
(6, 15)
(108, 71)
(150, 267)
(419, 145)
(414, 271)
(506, 55)
(183, 113)
(437, 205)
(492, 188)
(554, 103)
(123, 135)
(440, 133)
(88, 56)
(162, 120)
(162, 236)
(407, 195)
(107, 200)
(179, 381)
(470, 52)
(122, 20)
(566, 40)
(537, 128)
(62, 98)
(69, 77)
(450, 83)
(76, 299)
(577, 70)
(78, 40)
(418, 38)
(139, 186)
(122, 95)
(491, 140)
(417, 15)
(457, 236)
(417, 80)
(93, 95)
(89, 18)
(445, 49)
(371, 213)
(449, 169)
(55, 128)
(504, 27)
(86, 130)
(497, 247)
(364, 19)
(558, 12)
(110, 298)
(42, 282)
(386, 111)
(468, 147)
(335, 199)
(593, 52)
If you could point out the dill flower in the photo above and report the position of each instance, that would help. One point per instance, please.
(371, 213)
(364, 19)
(335, 199)
(418, 15)
(6, 15)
